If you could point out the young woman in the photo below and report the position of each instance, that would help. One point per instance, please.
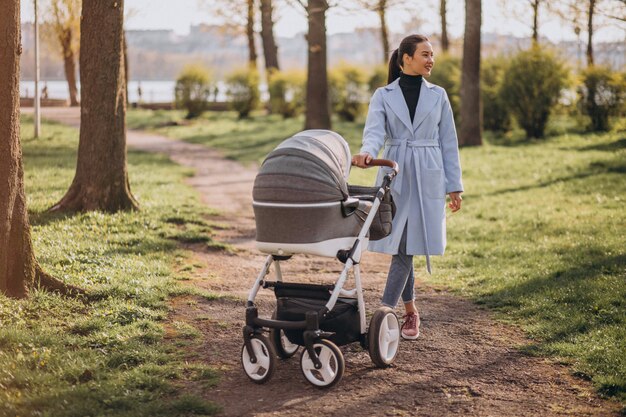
(413, 120)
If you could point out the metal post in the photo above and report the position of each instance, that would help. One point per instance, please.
(37, 95)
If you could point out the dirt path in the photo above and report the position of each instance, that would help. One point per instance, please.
(464, 363)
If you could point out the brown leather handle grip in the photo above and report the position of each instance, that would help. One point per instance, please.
(385, 163)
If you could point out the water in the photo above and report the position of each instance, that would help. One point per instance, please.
(152, 91)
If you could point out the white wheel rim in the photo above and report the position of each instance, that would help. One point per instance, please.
(258, 370)
(288, 347)
(388, 338)
(330, 365)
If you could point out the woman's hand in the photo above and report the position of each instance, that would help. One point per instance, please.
(455, 201)
(361, 159)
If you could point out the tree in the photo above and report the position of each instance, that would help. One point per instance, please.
(250, 34)
(270, 50)
(63, 25)
(101, 179)
(471, 115)
(590, 12)
(18, 268)
(445, 42)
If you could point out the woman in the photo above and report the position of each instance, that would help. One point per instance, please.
(412, 118)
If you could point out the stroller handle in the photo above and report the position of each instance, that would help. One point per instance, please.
(385, 163)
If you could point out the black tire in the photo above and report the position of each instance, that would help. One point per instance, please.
(383, 337)
(284, 348)
(333, 364)
(263, 370)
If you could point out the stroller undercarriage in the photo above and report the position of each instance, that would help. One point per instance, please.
(318, 317)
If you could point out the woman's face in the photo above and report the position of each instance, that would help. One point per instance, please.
(422, 61)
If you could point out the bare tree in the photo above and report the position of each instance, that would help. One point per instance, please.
(250, 34)
(19, 270)
(270, 50)
(590, 12)
(471, 115)
(62, 25)
(445, 42)
(101, 179)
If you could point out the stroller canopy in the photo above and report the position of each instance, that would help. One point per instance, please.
(310, 167)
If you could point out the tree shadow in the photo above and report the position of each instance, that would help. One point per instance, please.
(617, 145)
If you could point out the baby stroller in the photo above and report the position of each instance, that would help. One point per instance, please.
(303, 205)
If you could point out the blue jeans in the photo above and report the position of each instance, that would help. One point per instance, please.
(401, 279)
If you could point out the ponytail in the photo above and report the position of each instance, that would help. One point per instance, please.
(394, 67)
(407, 46)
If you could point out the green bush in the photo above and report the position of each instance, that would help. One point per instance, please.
(378, 78)
(532, 87)
(243, 91)
(447, 74)
(192, 90)
(496, 115)
(347, 91)
(601, 94)
(287, 93)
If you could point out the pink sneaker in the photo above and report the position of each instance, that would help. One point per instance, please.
(410, 329)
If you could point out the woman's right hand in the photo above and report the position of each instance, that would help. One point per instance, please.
(362, 159)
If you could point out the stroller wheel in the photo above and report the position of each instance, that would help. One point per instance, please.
(332, 368)
(383, 337)
(284, 348)
(261, 371)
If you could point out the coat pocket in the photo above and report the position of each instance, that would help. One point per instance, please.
(433, 183)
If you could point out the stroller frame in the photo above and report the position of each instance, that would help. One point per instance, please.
(315, 339)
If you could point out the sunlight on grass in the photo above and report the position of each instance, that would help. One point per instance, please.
(103, 354)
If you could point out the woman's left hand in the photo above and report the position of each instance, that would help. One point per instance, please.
(455, 201)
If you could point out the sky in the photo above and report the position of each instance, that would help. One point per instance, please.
(178, 15)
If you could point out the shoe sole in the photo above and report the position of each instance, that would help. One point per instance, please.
(410, 337)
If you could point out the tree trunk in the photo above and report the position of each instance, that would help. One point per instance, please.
(126, 67)
(270, 50)
(250, 34)
(592, 4)
(17, 261)
(384, 34)
(101, 179)
(535, 5)
(69, 64)
(471, 113)
(445, 42)
(18, 269)
(317, 98)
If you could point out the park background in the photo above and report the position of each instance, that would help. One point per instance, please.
(540, 240)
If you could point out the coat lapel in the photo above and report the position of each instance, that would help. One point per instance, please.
(428, 99)
(395, 100)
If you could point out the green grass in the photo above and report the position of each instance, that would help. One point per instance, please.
(105, 354)
(541, 237)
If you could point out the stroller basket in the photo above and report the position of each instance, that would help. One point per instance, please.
(293, 302)
(381, 226)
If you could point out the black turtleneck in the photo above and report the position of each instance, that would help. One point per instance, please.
(410, 85)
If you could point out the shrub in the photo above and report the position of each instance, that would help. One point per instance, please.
(602, 94)
(496, 115)
(287, 93)
(347, 91)
(447, 74)
(378, 78)
(243, 91)
(531, 88)
(192, 90)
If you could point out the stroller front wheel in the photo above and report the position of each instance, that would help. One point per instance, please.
(262, 370)
(383, 337)
(332, 361)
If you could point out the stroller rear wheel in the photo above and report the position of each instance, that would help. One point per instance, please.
(262, 370)
(332, 361)
(284, 348)
(383, 337)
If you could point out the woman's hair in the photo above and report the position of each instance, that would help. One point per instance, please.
(407, 46)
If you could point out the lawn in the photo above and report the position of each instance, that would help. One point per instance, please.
(111, 353)
(541, 238)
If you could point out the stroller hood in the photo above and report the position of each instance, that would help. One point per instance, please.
(310, 167)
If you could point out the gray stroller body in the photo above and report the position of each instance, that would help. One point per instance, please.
(304, 205)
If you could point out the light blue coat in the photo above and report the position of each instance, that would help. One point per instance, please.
(428, 155)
